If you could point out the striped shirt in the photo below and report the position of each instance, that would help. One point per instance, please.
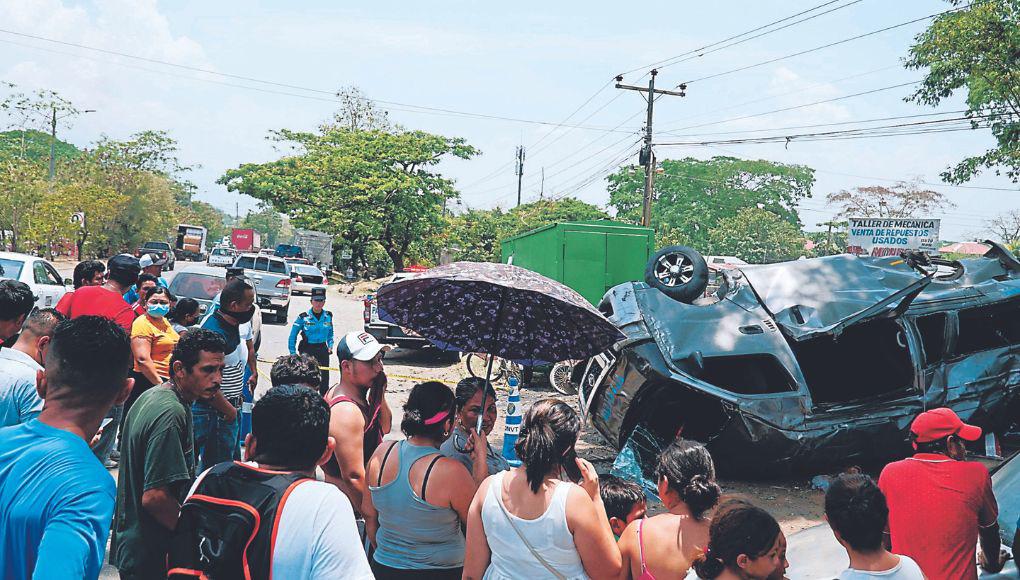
(234, 359)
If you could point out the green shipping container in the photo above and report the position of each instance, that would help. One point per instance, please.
(590, 257)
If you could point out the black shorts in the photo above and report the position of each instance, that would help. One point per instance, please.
(386, 573)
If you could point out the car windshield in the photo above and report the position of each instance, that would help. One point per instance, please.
(221, 252)
(197, 286)
(277, 266)
(156, 245)
(10, 268)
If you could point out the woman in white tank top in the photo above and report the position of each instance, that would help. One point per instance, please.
(527, 523)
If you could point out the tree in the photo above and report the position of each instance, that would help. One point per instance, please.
(267, 222)
(476, 234)
(34, 146)
(362, 186)
(357, 113)
(976, 47)
(902, 200)
(1006, 227)
(757, 236)
(694, 195)
(153, 152)
(210, 217)
(51, 221)
(22, 183)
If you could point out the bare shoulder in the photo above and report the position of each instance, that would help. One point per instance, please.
(346, 414)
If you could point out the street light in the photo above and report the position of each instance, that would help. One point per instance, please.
(53, 135)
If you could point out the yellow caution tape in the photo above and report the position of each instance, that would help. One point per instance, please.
(392, 376)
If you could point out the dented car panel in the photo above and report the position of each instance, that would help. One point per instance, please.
(796, 367)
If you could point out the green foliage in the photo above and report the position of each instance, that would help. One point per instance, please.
(22, 184)
(34, 146)
(756, 236)
(210, 217)
(476, 234)
(362, 186)
(153, 152)
(693, 196)
(976, 47)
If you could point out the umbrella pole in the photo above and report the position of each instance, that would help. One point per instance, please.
(492, 357)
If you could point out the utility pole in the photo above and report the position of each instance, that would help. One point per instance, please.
(647, 157)
(53, 142)
(541, 192)
(520, 171)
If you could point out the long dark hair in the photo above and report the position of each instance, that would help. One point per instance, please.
(548, 431)
(737, 528)
(184, 307)
(468, 387)
(689, 471)
(427, 401)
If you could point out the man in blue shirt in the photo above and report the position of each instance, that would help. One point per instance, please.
(20, 365)
(150, 264)
(56, 499)
(316, 325)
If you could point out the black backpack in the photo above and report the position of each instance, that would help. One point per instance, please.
(227, 527)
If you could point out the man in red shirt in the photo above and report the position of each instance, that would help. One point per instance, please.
(939, 503)
(106, 300)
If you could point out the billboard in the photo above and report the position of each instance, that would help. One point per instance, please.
(891, 236)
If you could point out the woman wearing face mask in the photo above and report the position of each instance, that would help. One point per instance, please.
(152, 342)
(460, 445)
(530, 523)
(744, 543)
(184, 315)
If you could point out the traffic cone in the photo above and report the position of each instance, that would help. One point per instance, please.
(513, 421)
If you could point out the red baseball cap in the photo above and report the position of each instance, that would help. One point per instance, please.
(941, 423)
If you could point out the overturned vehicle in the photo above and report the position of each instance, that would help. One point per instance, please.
(807, 364)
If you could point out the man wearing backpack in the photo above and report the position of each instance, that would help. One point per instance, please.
(304, 528)
(158, 457)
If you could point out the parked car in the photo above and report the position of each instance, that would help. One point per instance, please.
(163, 249)
(271, 276)
(387, 332)
(810, 363)
(46, 283)
(814, 552)
(203, 283)
(306, 277)
(221, 256)
(289, 251)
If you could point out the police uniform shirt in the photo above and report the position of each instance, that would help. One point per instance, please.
(317, 329)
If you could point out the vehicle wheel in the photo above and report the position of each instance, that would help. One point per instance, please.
(678, 272)
(477, 363)
(559, 378)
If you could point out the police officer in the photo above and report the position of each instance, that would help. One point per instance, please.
(317, 326)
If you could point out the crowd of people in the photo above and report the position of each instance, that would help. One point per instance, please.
(321, 492)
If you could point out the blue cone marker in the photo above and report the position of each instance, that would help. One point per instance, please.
(513, 421)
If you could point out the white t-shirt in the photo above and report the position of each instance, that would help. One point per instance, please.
(318, 538)
(907, 569)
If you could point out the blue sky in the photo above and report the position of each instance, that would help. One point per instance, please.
(526, 60)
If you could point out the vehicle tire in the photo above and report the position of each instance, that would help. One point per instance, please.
(679, 272)
(559, 378)
(477, 363)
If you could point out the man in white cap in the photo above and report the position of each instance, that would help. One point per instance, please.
(359, 415)
(150, 264)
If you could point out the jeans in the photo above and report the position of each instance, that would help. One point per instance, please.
(215, 437)
(109, 437)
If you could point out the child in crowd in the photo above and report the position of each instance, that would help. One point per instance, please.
(858, 515)
(624, 500)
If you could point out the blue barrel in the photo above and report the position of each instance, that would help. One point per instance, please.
(513, 421)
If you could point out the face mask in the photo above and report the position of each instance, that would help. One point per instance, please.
(158, 310)
(241, 317)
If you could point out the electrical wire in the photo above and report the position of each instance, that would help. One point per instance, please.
(734, 37)
(824, 46)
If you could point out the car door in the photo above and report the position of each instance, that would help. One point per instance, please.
(48, 285)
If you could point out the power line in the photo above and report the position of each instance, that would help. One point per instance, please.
(677, 132)
(824, 46)
(400, 106)
(734, 37)
(743, 40)
(918, 127)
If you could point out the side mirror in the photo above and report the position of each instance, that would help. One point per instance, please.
(68, 282)
(264, 303)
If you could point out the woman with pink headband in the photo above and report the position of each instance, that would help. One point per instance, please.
(417, 507)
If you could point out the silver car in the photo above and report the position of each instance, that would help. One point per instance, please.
(272, 278)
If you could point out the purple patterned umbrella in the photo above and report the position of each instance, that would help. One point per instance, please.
(498, 309)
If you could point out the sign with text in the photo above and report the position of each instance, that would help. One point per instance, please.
(891, 236)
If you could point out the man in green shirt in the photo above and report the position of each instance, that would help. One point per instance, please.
(158, 459)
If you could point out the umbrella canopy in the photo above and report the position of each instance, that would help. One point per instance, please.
(503, 310)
